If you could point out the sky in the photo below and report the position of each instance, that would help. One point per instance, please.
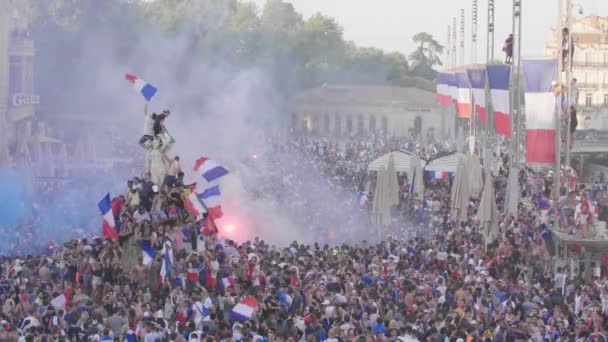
(390, 24)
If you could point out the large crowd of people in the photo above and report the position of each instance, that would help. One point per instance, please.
(170, 277)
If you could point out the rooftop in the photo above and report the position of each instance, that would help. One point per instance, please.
(366, 95)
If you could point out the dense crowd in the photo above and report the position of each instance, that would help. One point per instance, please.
(451, 285)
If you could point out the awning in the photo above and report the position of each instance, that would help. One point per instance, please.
(402, 162)
(445, 164)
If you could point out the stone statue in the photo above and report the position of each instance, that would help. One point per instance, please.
(157, 162)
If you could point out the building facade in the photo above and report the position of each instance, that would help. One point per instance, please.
(590, 68)
(344, 111)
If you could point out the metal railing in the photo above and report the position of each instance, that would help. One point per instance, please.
(585, 64)
(592, 85)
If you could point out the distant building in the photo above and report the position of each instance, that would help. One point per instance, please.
(341, 111)
(590, 68)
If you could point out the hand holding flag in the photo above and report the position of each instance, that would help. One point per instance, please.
(141, 86)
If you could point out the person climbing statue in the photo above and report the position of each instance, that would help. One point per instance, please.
(146, 140)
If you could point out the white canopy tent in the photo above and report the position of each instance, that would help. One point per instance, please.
(402, 160)
(445, 164)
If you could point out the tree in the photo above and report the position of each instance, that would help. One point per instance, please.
(426, 55)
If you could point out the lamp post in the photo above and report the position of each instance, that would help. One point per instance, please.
(490, 32)
(516, 80)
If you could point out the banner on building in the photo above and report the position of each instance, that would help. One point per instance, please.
(498, 81)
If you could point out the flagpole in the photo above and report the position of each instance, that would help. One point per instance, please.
(558, 126)
(517, 77)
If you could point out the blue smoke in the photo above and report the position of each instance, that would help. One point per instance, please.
(14, 203)
(28, 223)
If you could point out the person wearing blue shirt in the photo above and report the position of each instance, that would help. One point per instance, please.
(379, 327)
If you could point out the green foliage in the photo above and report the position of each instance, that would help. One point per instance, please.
(297, 53)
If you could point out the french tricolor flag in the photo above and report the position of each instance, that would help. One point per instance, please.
(244, 310)
(141, 86)
(193, 204)
(147, 253)
(228, 281)
(540, 107)
(498, 80)
(109, 226)
(167, 265)
(452, 87)
(443, 91)
(209, 193)
(463, 101)
(438, 175)
(477, 78)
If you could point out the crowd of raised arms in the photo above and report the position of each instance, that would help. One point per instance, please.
(443, 285)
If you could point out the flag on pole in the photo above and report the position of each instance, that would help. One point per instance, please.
(452, 88)
(438, 175)
(109, 226)
(209, 191)
(144, 88)
(498, 80)
(443, 94)
(540, 109)
(477, 78)
(463, 101)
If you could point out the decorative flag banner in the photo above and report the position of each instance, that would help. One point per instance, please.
(244, 310)
(540, 107)
(443, 94)
(477, 78)
(58, 303)
(463, 101)
(209, 191)
(109, 226)
(193, 204)
(498, 80)
(438, 175)
(144, 88)
(452, 88)
(167, 253)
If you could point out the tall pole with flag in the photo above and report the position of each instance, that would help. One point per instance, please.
(568, 67)
(454, 57)
(558, 126)
(517, 77)
(462, 37)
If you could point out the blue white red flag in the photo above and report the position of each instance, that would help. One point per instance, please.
(443, 92)
(167, 265)
(539, 75)
(209, 190)
(498, 80)
(244, 310)
(147, 253)
(438, 175)
(463, 101)
(144, 88)
(109, 226)
(477, 78)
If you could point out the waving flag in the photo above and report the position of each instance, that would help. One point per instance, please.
(167, 253)
(463, 101)
(477, 78)
(540, 106)
(109, 226)
(147, 253)
(244, 310)
(193, 204)
(438, 175)
(144, 88)
(209, 191)
(363, 200)
(498, 80)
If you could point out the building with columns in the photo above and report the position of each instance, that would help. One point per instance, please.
(590, 68)
(343, 111)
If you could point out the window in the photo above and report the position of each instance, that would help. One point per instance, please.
(349, 124)
(15, 75)
(588, 100)
(360, 124)
(384, 124)
(372, 124)
(605, 100)
(338, 125)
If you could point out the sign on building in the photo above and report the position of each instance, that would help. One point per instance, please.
(20, 99)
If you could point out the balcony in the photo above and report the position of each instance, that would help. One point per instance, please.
(592, 85)
(581, 64)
